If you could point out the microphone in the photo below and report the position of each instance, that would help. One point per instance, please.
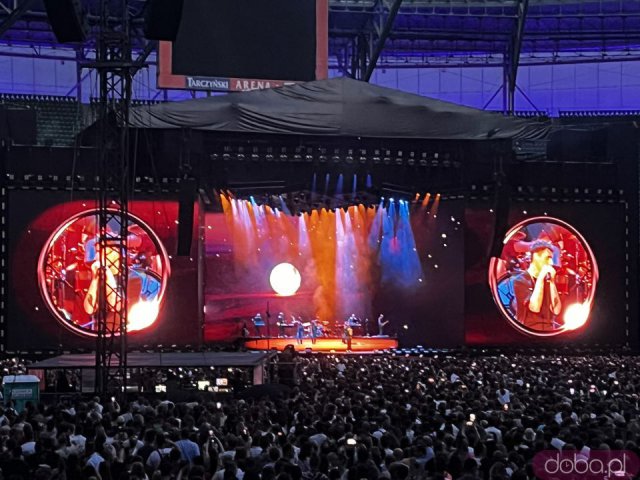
(547, 277)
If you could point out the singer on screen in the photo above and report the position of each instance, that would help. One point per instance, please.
(537, 301)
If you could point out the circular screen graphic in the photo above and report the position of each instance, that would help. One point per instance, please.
(545, 279)
(69, 265)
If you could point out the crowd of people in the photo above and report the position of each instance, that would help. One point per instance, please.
(439, 416)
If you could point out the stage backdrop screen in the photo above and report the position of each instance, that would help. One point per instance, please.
(53, 269)
(398, 259)
(559, 277)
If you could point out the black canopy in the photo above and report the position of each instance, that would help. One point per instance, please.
(168, 359)
(336, 107)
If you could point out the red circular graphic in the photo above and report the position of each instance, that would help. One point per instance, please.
(545, 280)
(68, 278)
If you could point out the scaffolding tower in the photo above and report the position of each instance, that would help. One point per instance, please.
(114, 65)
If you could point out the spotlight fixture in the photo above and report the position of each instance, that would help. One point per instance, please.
(349, 158)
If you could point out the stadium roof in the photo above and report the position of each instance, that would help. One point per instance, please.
(424, 32)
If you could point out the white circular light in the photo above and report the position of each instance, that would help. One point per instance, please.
(575, 316)
(142, 315)
(285, 279)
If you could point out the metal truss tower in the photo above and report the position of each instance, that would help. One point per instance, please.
(114, 65)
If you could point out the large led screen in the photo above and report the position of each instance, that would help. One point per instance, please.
(559, 276)
(69, 265)
(544, 281)
(399, 259)
(54, 264)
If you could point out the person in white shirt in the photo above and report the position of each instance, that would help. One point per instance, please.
(504, 396)
(95, 460)
(155, 458)
(189, 450)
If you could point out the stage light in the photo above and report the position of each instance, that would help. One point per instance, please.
(142, 315)
(285, 279)
(575, 316)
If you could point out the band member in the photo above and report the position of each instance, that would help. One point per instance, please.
(113, 292)
(315, 330)
(281, 324)
(381, 324)
(258, 323)
(536, 295)
(299, 327)
(345, 325)
(347, 335)
(245, 330)
(114, 262)
(367, 332)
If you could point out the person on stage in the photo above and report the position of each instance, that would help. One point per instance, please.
(299, 327)
(245, 330)
(315, 330)
(353, 322)
(536, 296)
(348, 334)
(281, 324)
(258, 323)
(381, 324)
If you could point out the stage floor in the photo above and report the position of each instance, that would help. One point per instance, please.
(358, 344)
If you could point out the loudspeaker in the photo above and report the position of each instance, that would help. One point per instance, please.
(22, 126)
(67, 20)
(501, 207)
(162, 19)
(185, 216)
(4, 123)
(622, 141)
(578, 145)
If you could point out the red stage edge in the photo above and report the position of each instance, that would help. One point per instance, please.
(327, 345)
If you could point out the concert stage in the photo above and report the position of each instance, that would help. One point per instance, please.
(358, 344)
